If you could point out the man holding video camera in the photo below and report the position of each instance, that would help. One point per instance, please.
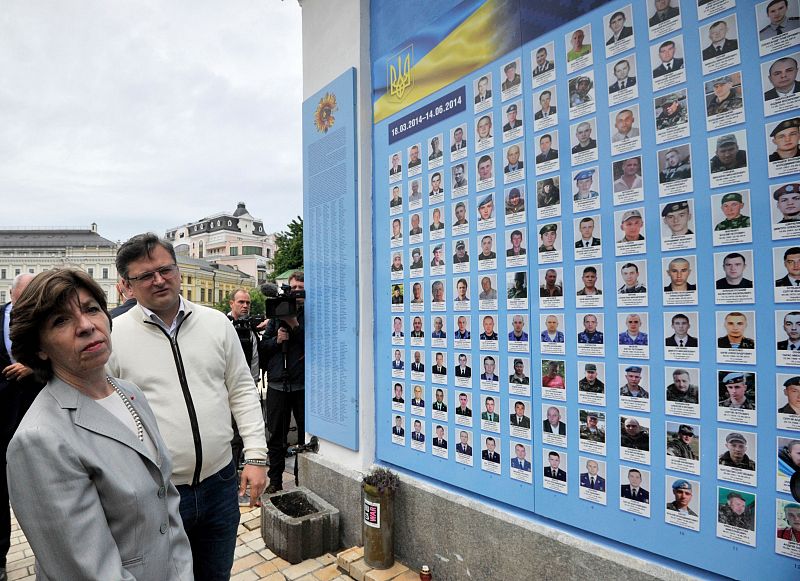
(282, 354)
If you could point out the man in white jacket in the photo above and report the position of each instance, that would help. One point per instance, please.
(187, 360)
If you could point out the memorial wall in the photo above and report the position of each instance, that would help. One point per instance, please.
(587, 276)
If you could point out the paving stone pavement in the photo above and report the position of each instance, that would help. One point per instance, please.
(253, 561)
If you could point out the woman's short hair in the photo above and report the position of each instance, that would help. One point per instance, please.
(48, 293)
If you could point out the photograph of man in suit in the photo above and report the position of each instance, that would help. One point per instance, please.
(489, 415)
(484, 92)
(587, 239)
(462, 369)
(519, 461)
(783, 78)
(397, 362)
(633, 490)
(681, 337)
(396, 167)
(417, 365)
(547, 152)
(791, 326)
(791, 261)
(734, 265)
(397, 327)
(438, 368)
(439, 440)
(397, 429)
(618, 28)
(545, 108)
(591, 478)
(543, 65)
(553, 423)
(439, 404)
(669, 62)
(489, 454)
(463, 446)
(417, 434)
(720, 43)
(417, 400)
(459, 142)
(518, 418)
(463, 409)
(553, 471)
(623, 77)
(664, 11)
(488, 369)
(417, 328)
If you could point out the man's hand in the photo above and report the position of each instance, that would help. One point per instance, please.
(17, 371)
(283, 335)
(256, 476)
(262, 325)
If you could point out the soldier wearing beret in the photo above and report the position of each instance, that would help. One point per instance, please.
(682, 491)
(735, 384)
(633, 376)
(591, 432)
(486, 208)
(438, 259)
(680, 445)
(583, 181)
(511, 115)
(786, 136)
(736, 455)
(725, 98)
(787, 198)
(547, 236)
(736, 513)
(728, 156)
(677, 216)
(590, 383)
(732, 205)
(791, 389)
(779, 21)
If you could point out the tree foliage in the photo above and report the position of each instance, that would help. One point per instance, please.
(289, 252)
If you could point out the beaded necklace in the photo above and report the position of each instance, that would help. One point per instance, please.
(134, 414)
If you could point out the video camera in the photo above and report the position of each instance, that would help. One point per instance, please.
(249, 323)
(280, 301)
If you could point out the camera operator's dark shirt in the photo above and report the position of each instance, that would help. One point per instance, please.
(271, 355)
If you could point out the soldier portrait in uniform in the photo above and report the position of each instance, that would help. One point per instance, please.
(787, 202)
(721, 38)
(728, 154)
(632, 386)
(551, 286)
(519, 377)
(724, 95)
(732, 205)
(736, 390)
(593, 427)
(735, 325)
(683, 493)
(590, 334)
(633, 435)
(785, 137)
(671, 110)
(553, 470)
(735, 455)
(512, 78)
(791, 390)
(683, 443)
(592, 477)
(736, 511)
(675, 165)
(682, 389)
(547, 148)
(634, 333)
(781, 16)
(634, 490)
(590, 383)
(734, 265)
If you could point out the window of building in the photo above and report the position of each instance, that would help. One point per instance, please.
(251, 250)
(219, 296)
(90, 271)
(188, 280)
(3, 273)
(268, 253)
(230, 223)
(234, 251)
(17, 272)
(202, 295)
(2, 297)
(30, 271)
(105, 273)
(188, 294)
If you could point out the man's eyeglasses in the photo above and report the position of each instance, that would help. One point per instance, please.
(166, 272)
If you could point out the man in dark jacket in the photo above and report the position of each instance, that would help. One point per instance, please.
(285, 385)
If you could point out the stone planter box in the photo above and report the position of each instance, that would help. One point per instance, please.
(299, 538)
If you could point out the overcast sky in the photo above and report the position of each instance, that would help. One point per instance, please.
(145, 114)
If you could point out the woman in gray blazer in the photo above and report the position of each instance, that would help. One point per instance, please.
(88, 472)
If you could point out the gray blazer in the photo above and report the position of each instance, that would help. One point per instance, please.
(93, 503)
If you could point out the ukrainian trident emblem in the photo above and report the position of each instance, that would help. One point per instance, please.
(400, 78)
